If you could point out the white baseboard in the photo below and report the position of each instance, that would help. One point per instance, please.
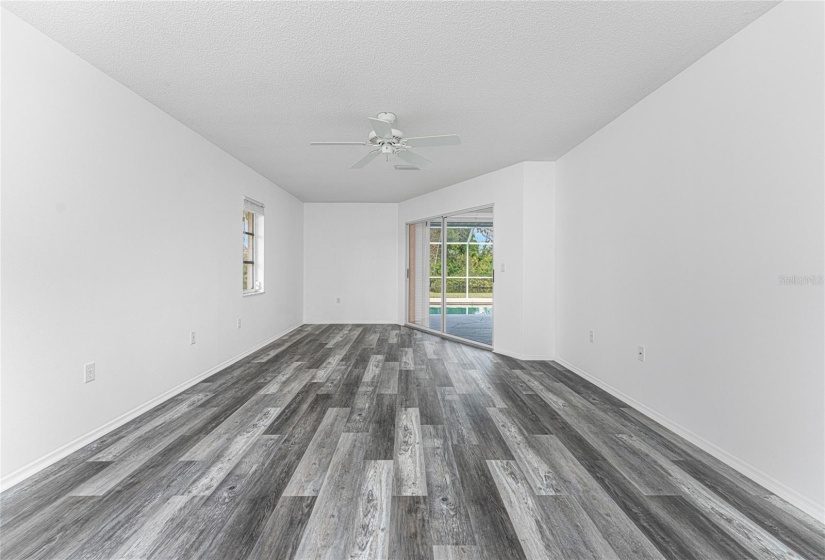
(525, 357)
(49, 459)
(780, 489)
(350, 323)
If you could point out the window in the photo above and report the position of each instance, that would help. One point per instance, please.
(469, 262)
(253, 244)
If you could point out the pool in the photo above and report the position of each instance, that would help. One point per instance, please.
(464, 310)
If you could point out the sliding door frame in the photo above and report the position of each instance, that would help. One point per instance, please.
(409, 286)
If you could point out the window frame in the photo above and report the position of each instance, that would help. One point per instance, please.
(253, 229)
(466, 277)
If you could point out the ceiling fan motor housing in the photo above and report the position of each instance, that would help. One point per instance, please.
(397, 135)
(387, 117)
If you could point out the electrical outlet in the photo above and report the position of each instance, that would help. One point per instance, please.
(337, 300)
(592, 335)
(640, 354)
(239, 323)
(502, 267)
(89, 373)
(192, 337)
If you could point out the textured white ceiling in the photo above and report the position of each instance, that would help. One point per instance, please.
(516, 80)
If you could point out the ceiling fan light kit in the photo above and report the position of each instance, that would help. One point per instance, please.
(389, 141)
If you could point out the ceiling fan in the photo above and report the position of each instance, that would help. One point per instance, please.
(388, 141)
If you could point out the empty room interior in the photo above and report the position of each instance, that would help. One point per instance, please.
(412, 280)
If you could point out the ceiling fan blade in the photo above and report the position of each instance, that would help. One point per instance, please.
(381, 128)
(428, 141)
(366, 159)
(337, 143)
(414, 159)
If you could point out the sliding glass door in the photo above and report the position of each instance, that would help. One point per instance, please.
(450, 274)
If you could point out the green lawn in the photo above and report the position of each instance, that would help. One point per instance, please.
(462, 295)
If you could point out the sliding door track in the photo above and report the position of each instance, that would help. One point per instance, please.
(440, 334)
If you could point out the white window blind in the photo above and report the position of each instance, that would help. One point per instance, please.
(250, 205)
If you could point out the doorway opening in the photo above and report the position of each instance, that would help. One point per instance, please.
(450, 271)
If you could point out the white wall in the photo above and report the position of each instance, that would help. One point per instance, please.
(539, 250)
(518, 194)
(675, 223)
(120, 234)
(351, 253)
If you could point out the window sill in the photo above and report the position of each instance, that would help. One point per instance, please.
(255, 293)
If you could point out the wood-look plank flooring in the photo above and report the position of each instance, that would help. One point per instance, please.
(377, 441)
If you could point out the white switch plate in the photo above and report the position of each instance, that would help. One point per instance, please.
(89, 373)
(640, 354)
(592, 335)
(192, 337)
(337, 300)
(239, 323)
(502, 267)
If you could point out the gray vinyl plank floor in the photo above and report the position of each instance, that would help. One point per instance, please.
(378, 441)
